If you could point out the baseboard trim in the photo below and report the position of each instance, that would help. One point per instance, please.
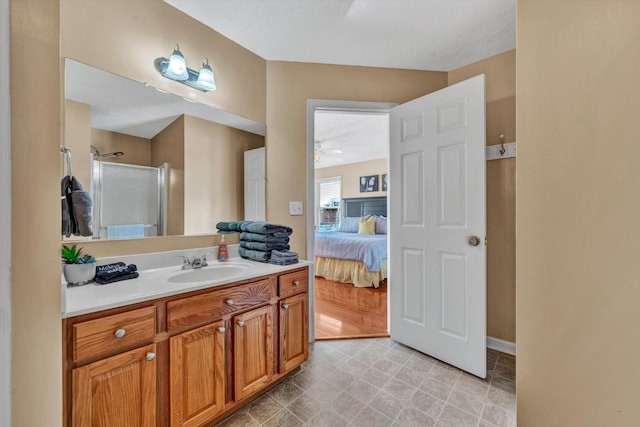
(501, 345)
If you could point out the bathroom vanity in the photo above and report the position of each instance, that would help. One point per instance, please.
(182, 348)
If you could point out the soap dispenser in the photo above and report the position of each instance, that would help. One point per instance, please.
(223, 253)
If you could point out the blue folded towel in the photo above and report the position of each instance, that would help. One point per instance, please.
(261, 246)
(267, 238)
(288, 261)
(260, 227)
(254, 255)
(229, 226)
(128, 231)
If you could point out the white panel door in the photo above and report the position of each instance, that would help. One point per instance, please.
(437, 257)
(254, 185)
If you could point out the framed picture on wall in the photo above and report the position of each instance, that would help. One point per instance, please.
(385, 181)
(369, 183)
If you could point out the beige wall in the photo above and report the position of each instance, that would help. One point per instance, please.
(578, 211)
(351, 174)
(77, 137)
(168, 146)
(36, 338)
(137, 151)
(214, 174)
(289, 85)
(500, 71)
(125, 37)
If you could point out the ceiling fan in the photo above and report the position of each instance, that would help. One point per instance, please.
(319, 152)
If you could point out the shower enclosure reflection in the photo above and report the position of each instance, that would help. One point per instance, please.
(129, 201)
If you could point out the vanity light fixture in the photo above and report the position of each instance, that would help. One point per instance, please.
(175, 68)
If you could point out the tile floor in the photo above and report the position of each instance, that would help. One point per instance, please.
(378, 382)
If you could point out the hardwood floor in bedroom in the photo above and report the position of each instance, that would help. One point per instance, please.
(343, 311)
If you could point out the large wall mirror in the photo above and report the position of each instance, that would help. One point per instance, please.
(155, 163)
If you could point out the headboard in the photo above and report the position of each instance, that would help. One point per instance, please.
(361, 206)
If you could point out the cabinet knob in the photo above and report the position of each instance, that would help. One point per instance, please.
(241, 323)
(285, 306)
(296, 283)
(120, 333)
(229, 302)
(150, 356)
(222, 329)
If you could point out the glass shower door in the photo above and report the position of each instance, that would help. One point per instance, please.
(129, 200)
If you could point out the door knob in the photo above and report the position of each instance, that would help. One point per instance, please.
(296, 283)
(221, 329)
(473, 241)
(241, 323)
(285, 306)
(229, 302)
(150, 356)
(120, 333)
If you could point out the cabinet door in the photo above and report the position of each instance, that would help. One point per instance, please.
(197, 375)
(294, 332)
(253, 351)
(117, 391)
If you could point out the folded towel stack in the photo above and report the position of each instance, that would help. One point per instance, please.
(283, 257)
(258, 239)
(115, 272)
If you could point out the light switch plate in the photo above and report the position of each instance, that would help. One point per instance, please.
(295, 208)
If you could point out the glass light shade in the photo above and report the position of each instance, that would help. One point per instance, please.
(205, 78)
(177, 68)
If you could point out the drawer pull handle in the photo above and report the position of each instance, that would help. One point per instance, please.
(296, 283)
(222, 329)
(241, 323)
(229, 302)
(150, 356)
(285, 306)
(120, 333)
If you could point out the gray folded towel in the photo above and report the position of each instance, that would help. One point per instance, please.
(263, 227)
(267, 238)
(82, 204)
(261, 246)
(284, 254)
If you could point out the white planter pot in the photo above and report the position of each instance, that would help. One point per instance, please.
(79, 274)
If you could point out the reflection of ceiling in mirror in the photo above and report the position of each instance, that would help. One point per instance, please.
(343, 137)
(122, 105)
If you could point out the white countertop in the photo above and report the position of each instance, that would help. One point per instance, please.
(156, 283)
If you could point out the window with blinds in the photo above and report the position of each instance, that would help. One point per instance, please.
(328, 194)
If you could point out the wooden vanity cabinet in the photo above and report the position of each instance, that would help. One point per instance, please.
(294, 332)
(197, 375)
(186, 360)
(253, 351)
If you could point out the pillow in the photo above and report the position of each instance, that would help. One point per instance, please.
(367, 226)
(381, 224)
(349, 225)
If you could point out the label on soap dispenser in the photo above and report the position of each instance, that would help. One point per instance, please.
(222, 252)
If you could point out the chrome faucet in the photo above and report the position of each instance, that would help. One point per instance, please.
(196, 262)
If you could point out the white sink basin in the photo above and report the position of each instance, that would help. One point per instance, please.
(211, 273)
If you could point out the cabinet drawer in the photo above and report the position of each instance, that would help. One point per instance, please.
(112, 333)
(197, 309)
(292, 283)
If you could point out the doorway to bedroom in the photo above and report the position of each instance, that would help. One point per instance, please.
(350, 183)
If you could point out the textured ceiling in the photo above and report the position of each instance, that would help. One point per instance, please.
(438, 35)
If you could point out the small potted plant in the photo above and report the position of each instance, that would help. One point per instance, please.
(78, 269)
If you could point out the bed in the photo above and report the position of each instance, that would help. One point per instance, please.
(350, 257)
